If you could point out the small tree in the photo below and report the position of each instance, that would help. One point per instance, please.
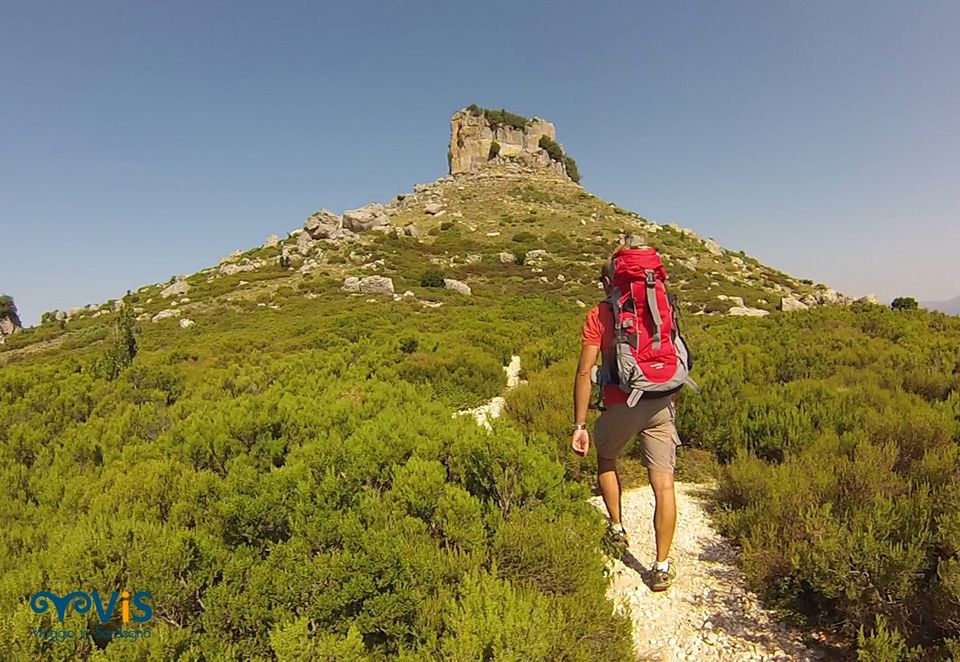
(551, 147)
(494, 150)
(571, 167)
(904, 303)
(124, 347)
(7, 307)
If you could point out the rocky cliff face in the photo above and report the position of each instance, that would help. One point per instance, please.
(472, 134)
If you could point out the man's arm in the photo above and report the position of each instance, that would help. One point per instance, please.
(580, 439)
(582, 384)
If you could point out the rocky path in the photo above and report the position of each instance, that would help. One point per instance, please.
(708, 614)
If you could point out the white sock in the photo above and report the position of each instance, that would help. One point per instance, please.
(662, 566)
(618, 527)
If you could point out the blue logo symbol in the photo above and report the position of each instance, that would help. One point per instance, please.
(81, 603)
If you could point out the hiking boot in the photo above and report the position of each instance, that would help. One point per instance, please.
(616, 539)
(660, 580)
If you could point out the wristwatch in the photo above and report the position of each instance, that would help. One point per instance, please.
(578, 426)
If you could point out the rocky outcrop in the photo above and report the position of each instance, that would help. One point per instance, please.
(473, 135)
(713, 247)
(745, 311)
(324, 224)
(791, 304)
(164, 314)
(9, 326)
(179, 287)
(366, 218)
(457, 285)
(9, 320)
(368, 285)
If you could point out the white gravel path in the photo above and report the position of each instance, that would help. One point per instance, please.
(708, 614)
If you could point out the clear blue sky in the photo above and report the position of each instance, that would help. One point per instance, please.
(144, 139)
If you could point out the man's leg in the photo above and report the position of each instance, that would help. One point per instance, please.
(664, 511)
(609, 481)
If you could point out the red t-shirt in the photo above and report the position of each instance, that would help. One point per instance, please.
(598, 332)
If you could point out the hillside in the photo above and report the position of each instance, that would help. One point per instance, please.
(474, 227)
(270, 446)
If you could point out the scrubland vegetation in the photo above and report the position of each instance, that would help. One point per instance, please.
(291, 483)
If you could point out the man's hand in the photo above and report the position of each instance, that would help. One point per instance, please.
(580, 442)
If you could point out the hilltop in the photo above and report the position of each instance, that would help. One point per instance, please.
(514, 223)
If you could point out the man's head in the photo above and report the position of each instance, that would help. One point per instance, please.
(606, 275)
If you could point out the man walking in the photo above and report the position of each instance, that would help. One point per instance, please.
(651, 416)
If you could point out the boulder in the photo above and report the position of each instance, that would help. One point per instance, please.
(272, 241)
(536, 255)
(736, 301)
(713, 247)
(870, 298)
(432, 208)
(164, 314)
(411, 230)
(179, 287)
(791, 304)
(185, 323)
(376, 285)
(305, 243)
(232, 269)
(351, 284)
(457, 285)
(7, 326)
(365, 218)
(323, 224)
(748, 312)
(507, 258)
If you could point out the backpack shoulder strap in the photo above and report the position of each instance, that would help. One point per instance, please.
(652, 306)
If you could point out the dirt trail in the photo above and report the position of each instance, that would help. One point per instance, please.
(708, 614)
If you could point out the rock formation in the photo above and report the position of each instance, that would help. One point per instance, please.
(9, 320)
(479, 136)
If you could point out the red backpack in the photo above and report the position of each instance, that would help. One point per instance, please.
(649, 355)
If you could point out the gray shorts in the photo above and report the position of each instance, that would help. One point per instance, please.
(652, 419)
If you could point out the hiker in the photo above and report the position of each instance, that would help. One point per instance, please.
(649, 351)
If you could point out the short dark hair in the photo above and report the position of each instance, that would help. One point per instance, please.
(606, 270)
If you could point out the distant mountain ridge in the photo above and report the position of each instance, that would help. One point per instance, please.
(950, 306)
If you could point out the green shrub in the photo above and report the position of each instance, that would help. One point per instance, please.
(446, 225)
(8, 308)
(571, 168)
(904, 303)
(432, 278)
(494, 150)
(551, 147)
(883, 644)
